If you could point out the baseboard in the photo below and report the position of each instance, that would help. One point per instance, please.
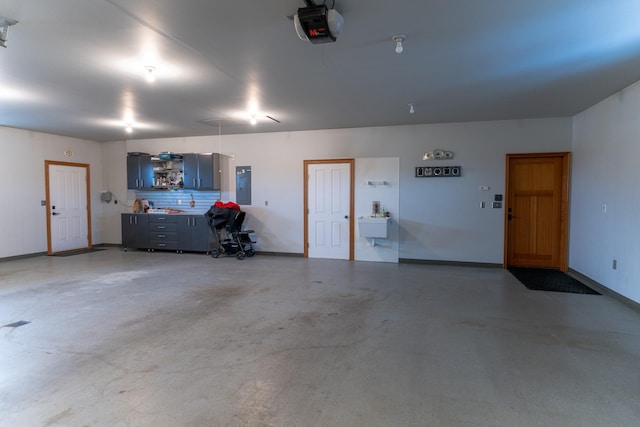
(290, 254)
(37, 254)
(603, 289)
(449, 263)
(13, 258)
(107, 245)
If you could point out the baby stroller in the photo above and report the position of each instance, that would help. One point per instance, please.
(231, 240)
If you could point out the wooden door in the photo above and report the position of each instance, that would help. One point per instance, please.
(329, 209)
(68, 212)
(536, 213)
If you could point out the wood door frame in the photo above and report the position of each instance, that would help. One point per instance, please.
(564, 204)
(87, 168)
(351, 162)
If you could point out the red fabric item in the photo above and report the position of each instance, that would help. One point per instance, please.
(228, 205)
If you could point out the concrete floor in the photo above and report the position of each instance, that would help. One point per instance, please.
(160, 339)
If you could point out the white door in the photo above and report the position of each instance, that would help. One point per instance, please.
(68, 208)
(329, 198)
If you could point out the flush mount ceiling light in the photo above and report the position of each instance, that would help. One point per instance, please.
(411, 109)
(253, 120)
(150, 76)
(399, 39)
(128, 128)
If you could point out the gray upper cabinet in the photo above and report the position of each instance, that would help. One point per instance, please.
(139, 172)
(201, 171)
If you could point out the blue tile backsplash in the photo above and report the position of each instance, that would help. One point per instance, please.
(179, 199)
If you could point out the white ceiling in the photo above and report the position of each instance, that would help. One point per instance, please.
(76, 67)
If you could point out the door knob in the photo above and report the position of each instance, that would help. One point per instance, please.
(55, 213)
(510, 217)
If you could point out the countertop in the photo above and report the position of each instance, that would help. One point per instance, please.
(173, 212)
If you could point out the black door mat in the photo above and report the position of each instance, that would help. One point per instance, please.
(82, 251)
(544, 279)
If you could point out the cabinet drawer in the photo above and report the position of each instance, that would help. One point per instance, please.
(168, 227)
(159, 218)
(163, 244)
(160, 236)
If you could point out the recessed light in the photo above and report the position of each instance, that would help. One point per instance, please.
(151, 73)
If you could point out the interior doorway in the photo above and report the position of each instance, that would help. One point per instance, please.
(328, 208)
(537, 210)
(68, 210)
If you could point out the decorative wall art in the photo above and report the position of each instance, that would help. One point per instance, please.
(438, 154)
(438, 171)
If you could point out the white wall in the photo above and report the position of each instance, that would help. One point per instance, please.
(23, 227)
(387, 170)
(114, 155)
(440, 218)
(606, 149)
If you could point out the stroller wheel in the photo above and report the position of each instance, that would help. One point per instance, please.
(240, 255)
(215, 254)
(250, 252)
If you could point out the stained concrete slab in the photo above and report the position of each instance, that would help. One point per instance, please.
(160, 339)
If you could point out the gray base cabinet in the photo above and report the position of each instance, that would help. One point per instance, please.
(166, 232)
(135, 231)
(193, 233)
(163, 232)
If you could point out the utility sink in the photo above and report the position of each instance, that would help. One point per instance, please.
(374, 227)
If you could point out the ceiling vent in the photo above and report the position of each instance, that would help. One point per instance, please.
(318, 24)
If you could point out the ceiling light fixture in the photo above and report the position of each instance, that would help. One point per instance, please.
(411, 109)
(151, 73)
(399, 39)
(5, 23)
(128, 128)
(253, 120)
